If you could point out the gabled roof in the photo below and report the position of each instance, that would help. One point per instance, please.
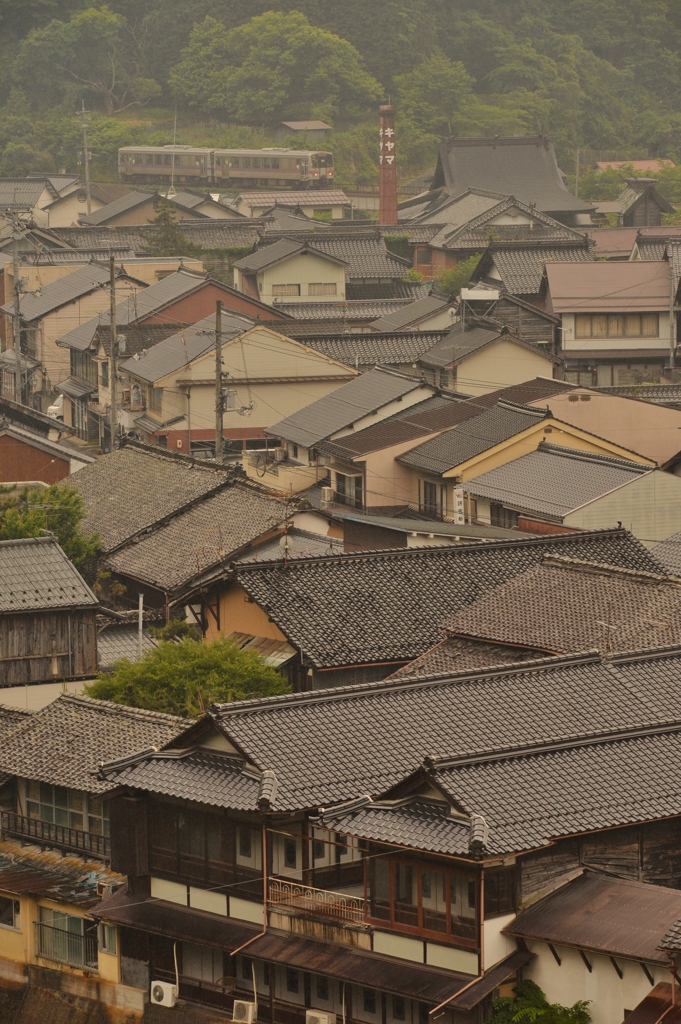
(60, 451)
(65, 741)
(121, 640)
(58, 293)
(643, 188)
(341, 408)
(208, 533)
(454, 654)
(24, 193)
(407, 316)
(130, 490)
(607, 287)
(521, 264)
(279, 251)
(461, 342)
(121, 205)
(370, 349)
(477, 233)
(476, 435)
(553, 481)
(208, 232)
(529, 391)
(386, 606)
(183, 348)
(668, 554)
(364, 253)
(614, 916)
(36, 575)
(336, 744)
(519, 166)
(592, 608)
(137, 307)
(329, 197)
(348, 310)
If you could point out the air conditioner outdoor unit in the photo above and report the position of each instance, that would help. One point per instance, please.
(243, 1012)
(327, 493)
(319, 1017)
(163, 993)
(279, 454)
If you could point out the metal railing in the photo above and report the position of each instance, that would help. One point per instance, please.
(54, 835)
(66, 947)
(320, 902)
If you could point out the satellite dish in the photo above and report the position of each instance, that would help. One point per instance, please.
(286, 542)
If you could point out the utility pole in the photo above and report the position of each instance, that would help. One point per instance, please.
(86, 158)
(672, 317)
(114, 352)
(16, 324)
(577, 172)
(218, 382)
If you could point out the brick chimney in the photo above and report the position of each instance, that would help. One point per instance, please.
(388, 167)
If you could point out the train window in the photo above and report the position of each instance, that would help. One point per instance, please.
(247, 161)
(275, 163)
(137, 159)
(159, 159)
(167, 160)
(235, 161)
(266, 161)
(256, 161)
(150, 158)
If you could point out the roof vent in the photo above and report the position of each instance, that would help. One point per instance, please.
(268, 790)
(478, 835)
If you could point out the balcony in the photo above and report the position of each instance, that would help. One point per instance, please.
(48, 834)
(66, 947)
(337, 906)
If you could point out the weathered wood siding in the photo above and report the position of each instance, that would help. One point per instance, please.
(529, 326)
(39, 647)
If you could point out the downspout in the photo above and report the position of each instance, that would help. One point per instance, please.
(264, 895)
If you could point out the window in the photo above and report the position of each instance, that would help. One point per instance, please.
(83, 365)
(247, 161)
(247, 968)
(168, 160)
(266, 162)
(9, 913)
(98, 816)
(64, 938)
(159, 159)
(235, 161)
(137, 158)
(285, 289)
(292, 980)
(155, 399)
(107, 938)
(245, 845)
(422, 898)
(256, 161)
(369, 1000)
(423, 256)
(322, 988)
(248, 847)
(290, 854)
(499, 891)
(429, 497)
(55, 804)
(293, 451)
(617, 325)
(327, 288)
(194, 846)
(104, 370)
(504, 517)
(202, 962)
(349, 490)
(150, 160)
(399, 1008)
(275, 163)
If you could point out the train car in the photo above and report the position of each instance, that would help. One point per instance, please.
(161, 163)
(272, 167)
(239, 167)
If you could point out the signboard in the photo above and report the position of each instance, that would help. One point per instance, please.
(458, 511)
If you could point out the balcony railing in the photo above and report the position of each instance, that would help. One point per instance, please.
(66, 947)
(319, 902)
(54, 835)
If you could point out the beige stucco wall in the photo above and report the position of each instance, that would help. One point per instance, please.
(301, 270)
(573, 345)
(652, 430)
(609, 997)
(309, 209)
(239, 615)
(649, 506)
(388, 482)
(66, 212)
(499, 366)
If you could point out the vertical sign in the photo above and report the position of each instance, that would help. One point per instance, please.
(387, 167)
(458, 512)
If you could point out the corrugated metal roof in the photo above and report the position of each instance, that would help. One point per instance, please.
(347, 404)
(74, 387)
(58, 293)
(553, 480)
(615, 287)
(121, 640)
(36, 575)
(66, 878)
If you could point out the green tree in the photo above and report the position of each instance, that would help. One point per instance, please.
(58, 510)
(276, 65)
(433, 95)
(185, 678)
(529, 1005)
(17, 160)
(450, 282)
(167, 239)
(90, 53)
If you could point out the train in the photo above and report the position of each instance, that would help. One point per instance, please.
(262, 167)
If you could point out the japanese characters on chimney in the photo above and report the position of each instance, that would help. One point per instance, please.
(388, 167)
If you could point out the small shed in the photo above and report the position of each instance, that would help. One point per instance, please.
(47, 615)
(311, 130)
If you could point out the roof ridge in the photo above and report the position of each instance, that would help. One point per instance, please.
(605, 569)
(576, 453)
(589, 739)
(112, 706)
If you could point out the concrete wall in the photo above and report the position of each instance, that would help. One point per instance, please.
(649, 506)
(37, 695)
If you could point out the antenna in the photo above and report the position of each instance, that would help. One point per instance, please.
(171, 193)
(86, 157)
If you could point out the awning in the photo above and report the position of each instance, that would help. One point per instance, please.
(76, 387)
(150, 425)
(274, 652)
(496, 976)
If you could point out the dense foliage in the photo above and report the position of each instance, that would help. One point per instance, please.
(529, 1005)
(185, 677)
(600, 75)
(56, 510)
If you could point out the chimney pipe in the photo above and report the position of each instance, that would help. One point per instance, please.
(388, 167)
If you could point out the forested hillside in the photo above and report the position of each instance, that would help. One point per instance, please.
(603, 75)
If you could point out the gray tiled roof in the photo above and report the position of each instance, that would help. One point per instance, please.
(351, 309)
(407, 315)
(417, 823)
(458, 343)
(333, 745)
(208, 232)
(668, 554)
(145, 302)
(395, 288)
(672, 938)
(131, 489)
(36, 575)
(360, 608)
(327, 198)
(341, 408)
(592, 607)
(521, 264)
(553, 480)
(182, 348)
(121, 640)
(209, 533)
(660, 394)
(10, 718)
(120, 205)
(206, 777)
(271, 254)
(455, 654)
(65, 741)
(58, 293)
(476, 435)
(366, 255)
(23, 192)
(370, 349)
